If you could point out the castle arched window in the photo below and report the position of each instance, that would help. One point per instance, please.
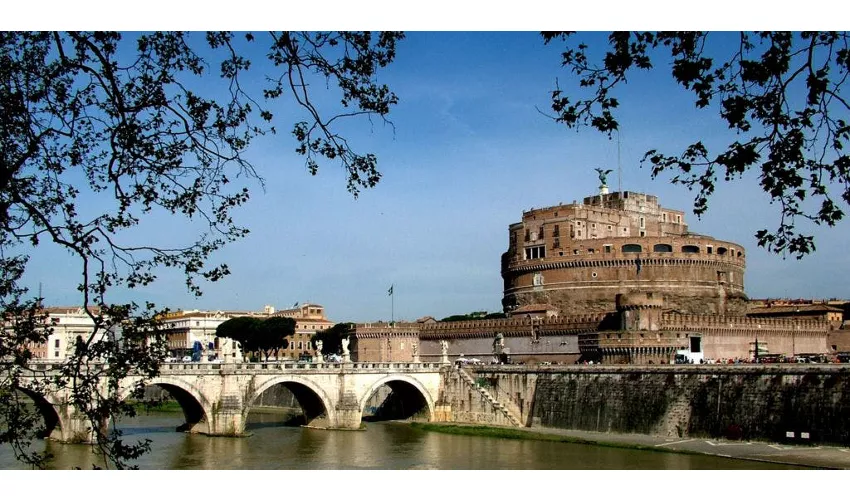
(690, 249)
(631, 248)
(721, 251)
(662, 247)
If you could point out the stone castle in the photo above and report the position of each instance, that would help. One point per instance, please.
(616, 278)
(579, 257)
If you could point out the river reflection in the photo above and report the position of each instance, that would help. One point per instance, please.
(381, 446)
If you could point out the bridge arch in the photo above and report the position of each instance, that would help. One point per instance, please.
(55, 425)
(314, 401)
(407, 386)
(197, 409)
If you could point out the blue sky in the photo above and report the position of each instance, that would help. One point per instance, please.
(469, 152)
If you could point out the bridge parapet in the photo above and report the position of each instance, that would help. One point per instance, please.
(217, 397)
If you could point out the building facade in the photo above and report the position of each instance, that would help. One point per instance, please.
(65, 324)
(309, 319)
(183, 328)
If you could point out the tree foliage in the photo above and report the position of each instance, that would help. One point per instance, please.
(475, 315)
(141, 126)
(332, 338)
(258, 335)
(782, 94)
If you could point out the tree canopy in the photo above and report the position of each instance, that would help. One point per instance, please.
(782, 93)
(144, 125)
(257, 334)
(332, 338)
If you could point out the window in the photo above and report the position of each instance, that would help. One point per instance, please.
(557, 231)
(631, 248)
(678, 219)
(538, 252)
(625, 229)
(300, 345)
(590, 250)
(607, 248)
(576, 251)
(593, 226)
(579, 233)
(690, 249)
(55, 354)
(557, 243)
(642, 234)
(662, 247)
(609, 228)
(664, 217)
(56, 344)
(593, 274)
(642, 222)
(709, 249)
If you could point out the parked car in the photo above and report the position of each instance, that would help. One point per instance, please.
(333, 358)
(170, 359)
(186, 359)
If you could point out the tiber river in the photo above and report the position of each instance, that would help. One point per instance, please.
(382, 445)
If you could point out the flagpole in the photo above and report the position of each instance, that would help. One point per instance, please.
(392, 307)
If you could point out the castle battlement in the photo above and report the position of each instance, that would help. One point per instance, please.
(671, 321)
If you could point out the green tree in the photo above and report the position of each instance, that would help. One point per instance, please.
(274, 334)
(142, 125)
(332, 338)
(782, 93)
(241, 329)
(258, 335)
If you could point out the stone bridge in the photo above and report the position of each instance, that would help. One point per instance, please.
(217, 398)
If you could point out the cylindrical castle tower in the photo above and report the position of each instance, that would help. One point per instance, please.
(579, 257)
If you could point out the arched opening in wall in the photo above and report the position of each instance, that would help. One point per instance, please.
(631, 248)
(32, 411)
(287, 404)
(662, 247)
(721, 250)
(396, 400)
(165, 408)
(690, 249)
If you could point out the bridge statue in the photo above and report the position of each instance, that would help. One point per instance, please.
(319, 349)
(603, 175)
(415, 348)
(346, 356)
(498, 344)
(444, 351)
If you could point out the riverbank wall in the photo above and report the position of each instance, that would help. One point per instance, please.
(781, 403)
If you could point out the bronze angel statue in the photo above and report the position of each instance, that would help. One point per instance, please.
(603, 175)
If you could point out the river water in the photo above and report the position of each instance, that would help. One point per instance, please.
(382, 445)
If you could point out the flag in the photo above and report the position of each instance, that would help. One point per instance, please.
(390, 291)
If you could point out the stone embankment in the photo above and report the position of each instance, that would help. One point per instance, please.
(779, 403)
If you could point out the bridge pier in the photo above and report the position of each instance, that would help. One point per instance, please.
(73, 426)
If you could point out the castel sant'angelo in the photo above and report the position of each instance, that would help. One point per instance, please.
(579, 257)
(616, 278)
